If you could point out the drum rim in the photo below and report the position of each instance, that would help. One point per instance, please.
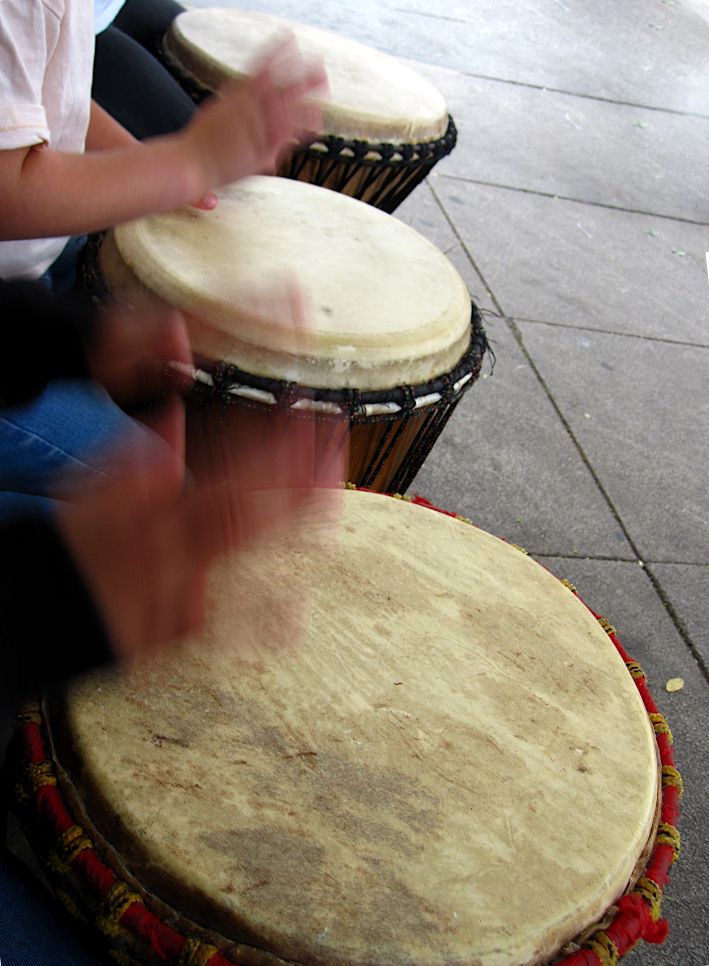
(333, 147)
(73, 862)
(234, 385)
(390, 155)
(199, 91)
(226, 380)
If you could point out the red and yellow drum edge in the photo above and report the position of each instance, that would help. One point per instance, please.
(90, 888)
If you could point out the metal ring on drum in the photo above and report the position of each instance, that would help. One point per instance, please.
(461, 764)
(385, 127)
(396, 343)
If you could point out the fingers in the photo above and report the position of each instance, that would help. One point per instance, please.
(244, 129)
(168, 422)
(206, 203)
(132, 349)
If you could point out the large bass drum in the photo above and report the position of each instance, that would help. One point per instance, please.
(457, 766)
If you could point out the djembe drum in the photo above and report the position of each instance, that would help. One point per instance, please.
(394, 346)
(385, 127)
(457, 767)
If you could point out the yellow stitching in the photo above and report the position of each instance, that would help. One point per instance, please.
(570, 586)
(521, 549)
(113, 905)
(652, 894)
(122, 958)
(660, 725)
(402, 496)
(464, 519)
(668, 835)
(636, 671)
(604, 947)
(67, 847)
(29, 715)
(34, 777)
(350, 486)
(196, 953)
(71, 907)
(607, 626)
(670, 776)
(37, 776)
(21, 795)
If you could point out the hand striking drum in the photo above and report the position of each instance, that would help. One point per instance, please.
(385, 127)
(457, 767)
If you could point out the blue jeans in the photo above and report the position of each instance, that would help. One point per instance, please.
(61, 274)
(33, 928)
(65, 436)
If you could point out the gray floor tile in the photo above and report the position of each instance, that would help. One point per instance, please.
(505, 461)
(560, 261)
(623, 594)
(639, 410)
(579, 148)
(423, 213)
(688, 590)
(642, 51)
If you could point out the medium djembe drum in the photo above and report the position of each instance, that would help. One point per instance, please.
(394, 345)
(385, 127)
(456, 767)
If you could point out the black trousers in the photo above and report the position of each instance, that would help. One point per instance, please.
(129, 81)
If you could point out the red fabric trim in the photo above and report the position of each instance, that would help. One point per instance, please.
(422, 501)
(164, 941)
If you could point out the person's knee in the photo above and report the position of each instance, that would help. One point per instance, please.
(135, 89)
(147, 21)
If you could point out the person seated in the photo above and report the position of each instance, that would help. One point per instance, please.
(67, 168)
(129, 80)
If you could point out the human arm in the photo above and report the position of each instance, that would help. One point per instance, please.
(47, 193)
(105, 132)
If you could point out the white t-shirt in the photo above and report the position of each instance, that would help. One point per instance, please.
(105, 12)
(46, 63)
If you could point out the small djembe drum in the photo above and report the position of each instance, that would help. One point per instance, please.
(385, 127)
(460, 765)
(394, 345)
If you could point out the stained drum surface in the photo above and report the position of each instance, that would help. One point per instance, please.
(455, 767)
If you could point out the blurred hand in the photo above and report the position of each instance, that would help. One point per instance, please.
(132, 349)
(145, 548)
(244, 128)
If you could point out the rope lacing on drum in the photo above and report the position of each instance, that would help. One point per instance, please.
(196, 953)
(604, 947)
(383, 153)
(652, 894)
(669, 835)
(114, 904)
(222, 377)
(353, 402)
(33, 779)
(660, 725)
(672, 777)
(287, 394)
(409, 402)
(69, 844)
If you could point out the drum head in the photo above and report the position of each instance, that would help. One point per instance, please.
(389, 309)
(373, 97)
(457, 766)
